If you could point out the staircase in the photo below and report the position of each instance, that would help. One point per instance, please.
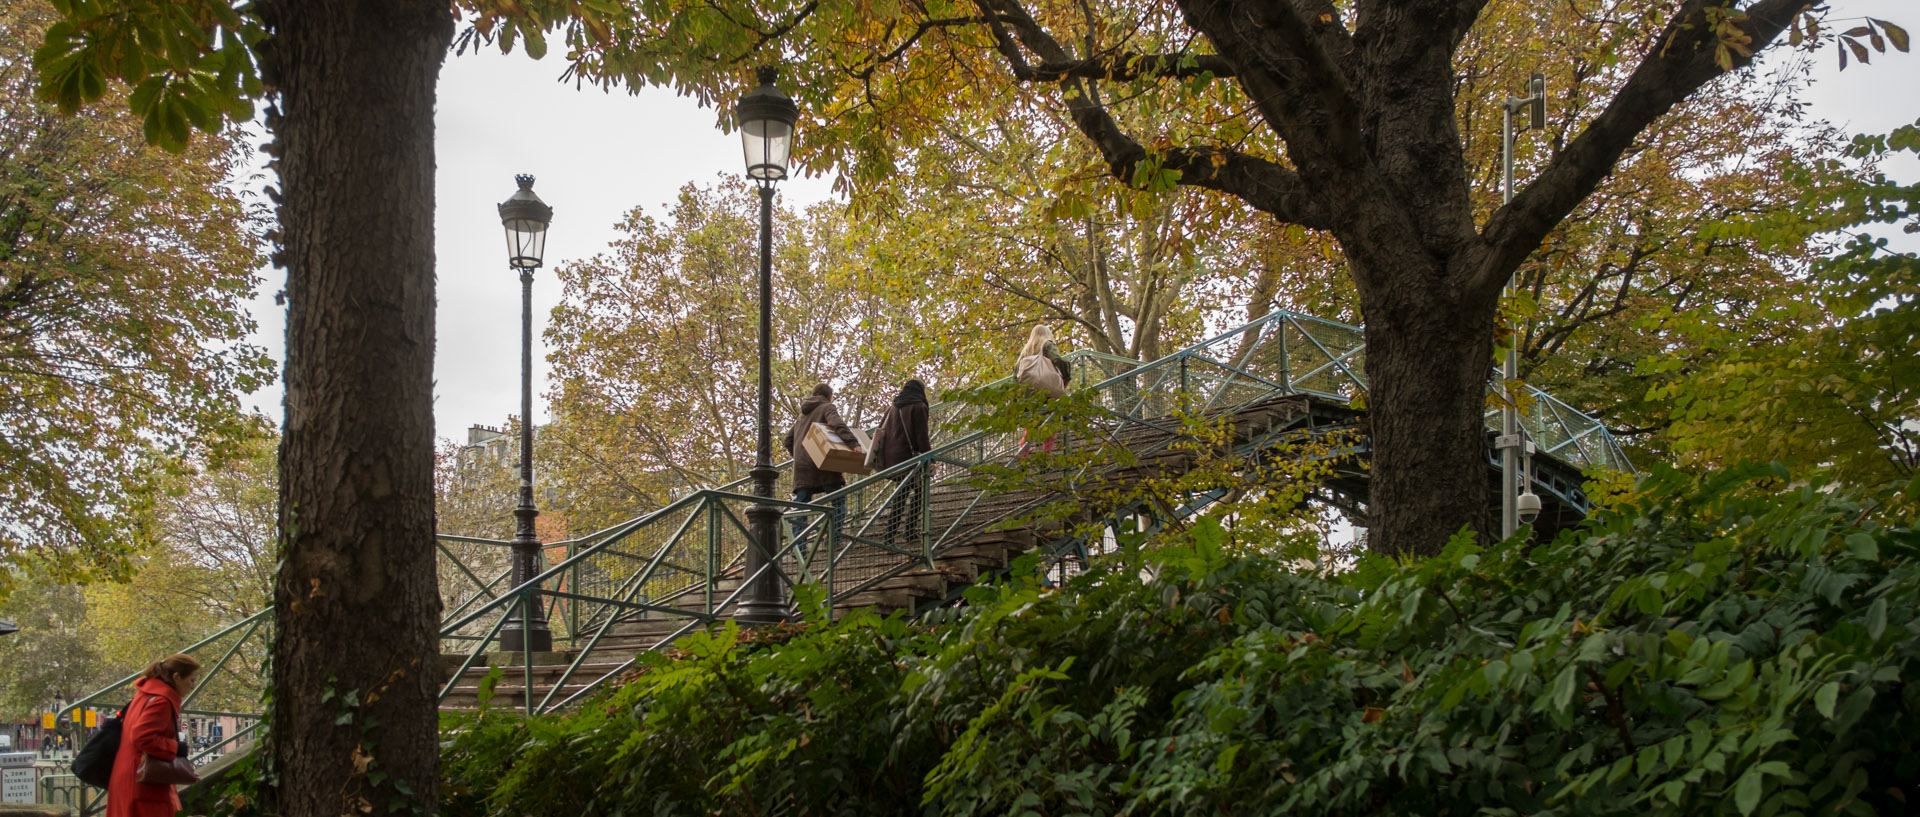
(639, 585)
(954, 569)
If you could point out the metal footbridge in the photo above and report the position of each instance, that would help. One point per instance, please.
(638, 585)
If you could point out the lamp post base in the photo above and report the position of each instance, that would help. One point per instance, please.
(535, 639)
(765, 600)
(757, 613)
(526, 628)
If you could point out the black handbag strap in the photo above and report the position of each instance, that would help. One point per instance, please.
(176, 715)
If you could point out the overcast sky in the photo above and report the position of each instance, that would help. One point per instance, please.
(598, 154)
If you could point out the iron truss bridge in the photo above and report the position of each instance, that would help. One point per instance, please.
(640, 584)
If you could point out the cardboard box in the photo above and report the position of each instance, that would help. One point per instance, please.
(830, 453)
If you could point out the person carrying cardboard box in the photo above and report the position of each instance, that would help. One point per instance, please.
(809, 479)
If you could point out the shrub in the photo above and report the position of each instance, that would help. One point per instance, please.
(1726, 645)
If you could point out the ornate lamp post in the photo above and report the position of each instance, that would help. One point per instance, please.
(526, 218)
(765, 118)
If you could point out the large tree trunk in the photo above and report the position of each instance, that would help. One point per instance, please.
(1428, 360)
(356, 605)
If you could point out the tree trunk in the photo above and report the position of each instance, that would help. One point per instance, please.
(355, 658)
(1428, 360)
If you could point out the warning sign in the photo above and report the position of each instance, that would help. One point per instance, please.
(16, 777)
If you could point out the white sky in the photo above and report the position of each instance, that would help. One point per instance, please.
(598, 154)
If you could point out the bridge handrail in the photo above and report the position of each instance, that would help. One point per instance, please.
(1282, 352)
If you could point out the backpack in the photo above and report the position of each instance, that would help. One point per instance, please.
(876, 460)
(94, 764)
(1040, 373)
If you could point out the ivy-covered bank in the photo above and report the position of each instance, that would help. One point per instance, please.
(1732, 645)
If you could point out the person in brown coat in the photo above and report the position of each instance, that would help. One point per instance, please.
(903, 436)
(808, 480)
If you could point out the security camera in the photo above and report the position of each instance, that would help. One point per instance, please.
(1528, 507)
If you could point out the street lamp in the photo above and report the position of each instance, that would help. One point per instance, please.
(765, 118)
(526, 218)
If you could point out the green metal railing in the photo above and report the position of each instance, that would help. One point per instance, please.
(681, 565)
(233, 658)
(640, 584)
(67, 790)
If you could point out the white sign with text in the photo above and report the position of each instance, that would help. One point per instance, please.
(16, 777)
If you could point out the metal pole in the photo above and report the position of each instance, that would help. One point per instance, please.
(527, 632)
(1509, 416)
(1512, 440)
(762, 603)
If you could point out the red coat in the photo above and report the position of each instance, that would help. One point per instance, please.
(149, 725)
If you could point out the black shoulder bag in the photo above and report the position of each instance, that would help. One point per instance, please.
(94, 764)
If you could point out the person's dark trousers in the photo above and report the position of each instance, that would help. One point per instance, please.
(799, 522)
(903, 514)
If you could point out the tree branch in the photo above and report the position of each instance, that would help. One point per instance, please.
(866, 74)
(1260, 182)
(1126, 67)
(1681, 60)
(1290, 68)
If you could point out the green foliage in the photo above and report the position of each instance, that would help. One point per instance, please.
(1728, 645)
(123, 277)
(210, 565)
(1180, 467)
(54, 652)
(191, 65)
(1840, 387)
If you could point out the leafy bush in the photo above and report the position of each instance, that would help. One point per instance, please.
(1730, 645)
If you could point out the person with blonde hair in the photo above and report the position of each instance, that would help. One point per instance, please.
(1041, 366)
(151, 729)
(1040, 347)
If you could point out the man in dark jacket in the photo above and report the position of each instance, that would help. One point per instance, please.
(808, 480)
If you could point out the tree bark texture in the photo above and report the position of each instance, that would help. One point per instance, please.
(1425, 410)
(1361, 94)
(355, 658)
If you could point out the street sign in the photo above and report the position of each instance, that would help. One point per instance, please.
(16, 777)
(93, 718)
(46, 720)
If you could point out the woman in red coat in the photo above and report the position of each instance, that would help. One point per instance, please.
(151, 726)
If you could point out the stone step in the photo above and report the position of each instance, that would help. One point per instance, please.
(980, 557)
(504, 696)
(655, 626)
(597, 664)
(903, 598)
(932, 582)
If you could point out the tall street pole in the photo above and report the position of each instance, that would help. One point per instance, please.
(765, 118)
(763, 602)
(1511, 442)
(526, 219)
